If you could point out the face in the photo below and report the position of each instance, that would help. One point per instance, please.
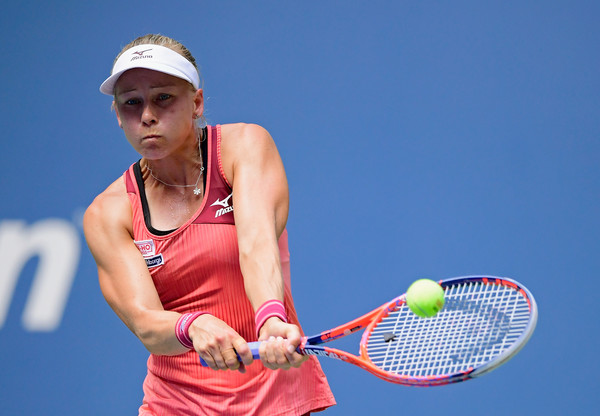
(156, 111)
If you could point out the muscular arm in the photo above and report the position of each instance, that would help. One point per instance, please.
(260, 198)
(124, 278)
(128, 288)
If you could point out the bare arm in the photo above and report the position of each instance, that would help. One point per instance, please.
(124, 278)
(260, 198)
(128, 288)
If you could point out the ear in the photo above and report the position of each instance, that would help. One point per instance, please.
(199, 103)
(114, 106)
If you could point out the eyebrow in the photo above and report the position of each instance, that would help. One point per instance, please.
(152, 87)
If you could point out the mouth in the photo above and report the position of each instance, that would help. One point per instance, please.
(150, 136)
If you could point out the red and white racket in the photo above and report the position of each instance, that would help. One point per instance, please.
(485, 321)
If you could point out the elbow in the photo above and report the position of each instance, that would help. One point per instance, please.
(156, 338)
(155, 345)
(149, 340)
(260, 250)
(262, 260)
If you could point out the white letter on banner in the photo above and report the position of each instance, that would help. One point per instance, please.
(58, 246)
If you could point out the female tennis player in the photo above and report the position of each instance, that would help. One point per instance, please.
(191, 248)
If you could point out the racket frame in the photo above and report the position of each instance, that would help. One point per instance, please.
(312, 345)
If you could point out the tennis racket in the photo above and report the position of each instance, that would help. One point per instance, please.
(485, 321)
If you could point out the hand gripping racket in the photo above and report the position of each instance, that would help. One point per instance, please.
(485, 321)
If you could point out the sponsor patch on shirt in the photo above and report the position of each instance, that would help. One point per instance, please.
(154, 261)
(148, 250)
(146, 247)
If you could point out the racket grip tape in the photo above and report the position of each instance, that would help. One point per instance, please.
(254, 349)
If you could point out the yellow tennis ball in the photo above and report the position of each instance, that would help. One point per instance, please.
(425, 298)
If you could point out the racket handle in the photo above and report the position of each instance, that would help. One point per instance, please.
(253, 348)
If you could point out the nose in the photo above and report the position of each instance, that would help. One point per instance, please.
(148, 116)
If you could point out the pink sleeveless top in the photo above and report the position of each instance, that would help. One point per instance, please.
(196, 268)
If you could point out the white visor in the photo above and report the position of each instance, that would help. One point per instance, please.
(154, 57)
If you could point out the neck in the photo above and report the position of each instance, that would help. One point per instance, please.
(181, 167)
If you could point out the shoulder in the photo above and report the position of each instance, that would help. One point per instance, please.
(110, 208)
(248, 146)
(241, 141)
(238, 135)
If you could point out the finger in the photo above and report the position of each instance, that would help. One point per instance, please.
(209, 360)
(296, 359)
(242, 368)
(243, 351)
(267, 355)
(280, 354)
(220, 362)
(293, 356)
(217, 355)
(230, 358)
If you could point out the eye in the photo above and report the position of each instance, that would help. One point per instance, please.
(163, 97)
(132, 101)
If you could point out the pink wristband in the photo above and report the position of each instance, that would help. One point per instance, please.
(269, 309)
(183, 325)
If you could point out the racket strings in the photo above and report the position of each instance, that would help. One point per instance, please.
(478, 322)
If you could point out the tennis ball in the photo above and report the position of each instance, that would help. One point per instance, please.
(425, 298)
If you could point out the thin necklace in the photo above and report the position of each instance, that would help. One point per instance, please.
(197, 191)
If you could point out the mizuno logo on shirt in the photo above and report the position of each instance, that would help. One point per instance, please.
(225, 204)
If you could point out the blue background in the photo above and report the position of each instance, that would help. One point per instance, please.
(421, 139)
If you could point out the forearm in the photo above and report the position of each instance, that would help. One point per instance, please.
(156, 330)
(261, 267)
(264, 283)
